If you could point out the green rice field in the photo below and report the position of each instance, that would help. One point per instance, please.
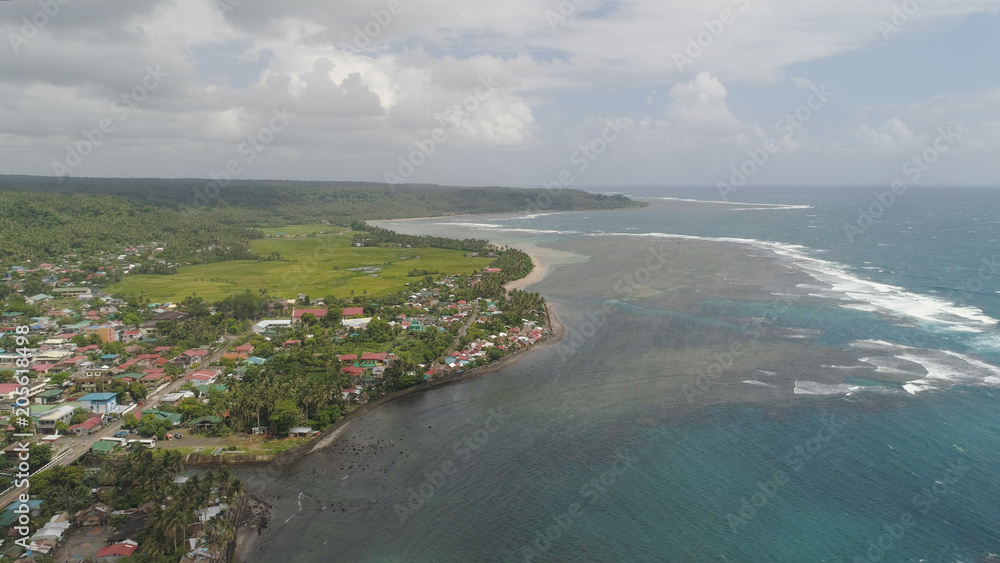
(312, 263)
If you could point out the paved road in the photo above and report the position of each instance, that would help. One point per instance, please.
(464, 330)
(77, 446)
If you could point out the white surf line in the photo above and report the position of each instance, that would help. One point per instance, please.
(300, 508)
(775, 206)
(886, 299)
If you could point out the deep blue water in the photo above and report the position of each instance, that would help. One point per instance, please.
(614, 469)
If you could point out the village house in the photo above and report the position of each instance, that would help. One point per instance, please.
(174, 418)
(96, 515)
(106, 332)
(264, 326)
(203, 377)
(47, 422)
(92, 377)
(352, 312)
(86, 427)
(53, 355)
(298, 313)
(173, 398)
(370, 359)
(9, 392)
(115, 551)
(190, 358)
(205, 422)
(51, 534)
(40, 298)
(100, 402)
(49, 396)
(153, 378)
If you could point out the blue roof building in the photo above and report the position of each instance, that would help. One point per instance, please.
(100, 402)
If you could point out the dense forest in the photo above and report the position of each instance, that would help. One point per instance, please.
(281, 203)
(42, 226)
(377, 236)
(44, 218)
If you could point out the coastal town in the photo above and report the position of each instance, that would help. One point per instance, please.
(119, 412)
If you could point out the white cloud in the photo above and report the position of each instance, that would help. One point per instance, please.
(699, 108)
(360, 107)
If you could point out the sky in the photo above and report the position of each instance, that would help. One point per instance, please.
(531, 93)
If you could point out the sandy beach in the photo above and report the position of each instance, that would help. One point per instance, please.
(247, 537)
(536, 275)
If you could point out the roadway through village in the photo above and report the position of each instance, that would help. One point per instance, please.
(74, 447)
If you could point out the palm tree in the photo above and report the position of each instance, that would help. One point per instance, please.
(173, 521)
(219, 531)
(155, 541)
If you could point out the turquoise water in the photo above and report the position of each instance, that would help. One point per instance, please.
(597, 457)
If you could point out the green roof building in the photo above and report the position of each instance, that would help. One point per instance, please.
(103, 447)
(174, 418)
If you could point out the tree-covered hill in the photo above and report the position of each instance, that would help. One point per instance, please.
(43, 218)
(284, 202)
(43, 226)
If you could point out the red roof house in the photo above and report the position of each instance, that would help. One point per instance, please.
(85, 427)
(318, 313)
(123, 549)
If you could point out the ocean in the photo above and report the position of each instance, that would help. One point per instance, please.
(807, 375)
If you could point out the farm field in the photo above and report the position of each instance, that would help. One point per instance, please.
(314, 264)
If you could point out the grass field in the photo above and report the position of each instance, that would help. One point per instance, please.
(317, 266)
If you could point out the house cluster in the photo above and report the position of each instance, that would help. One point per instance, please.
(67, 373)
(56, 531)
(69, 269)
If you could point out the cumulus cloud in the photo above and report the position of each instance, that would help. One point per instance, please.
(368, 78)
(699, 108)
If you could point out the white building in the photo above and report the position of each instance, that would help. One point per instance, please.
(265, 325)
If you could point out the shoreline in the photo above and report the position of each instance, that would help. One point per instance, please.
(537, 273)
(246, 536)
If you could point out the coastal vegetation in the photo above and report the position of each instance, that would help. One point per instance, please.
(313, 264)
(137, 483)
(195, 221)
(182, 289)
